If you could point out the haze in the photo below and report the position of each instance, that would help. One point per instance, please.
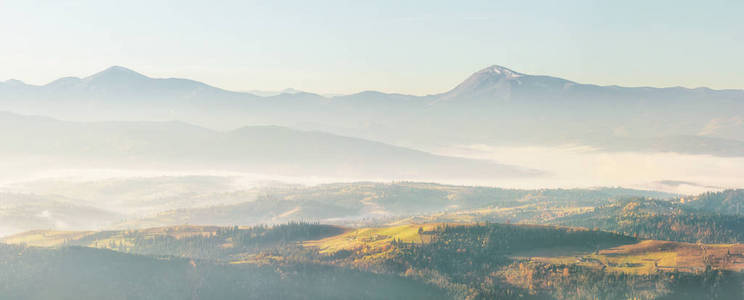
(371, 150)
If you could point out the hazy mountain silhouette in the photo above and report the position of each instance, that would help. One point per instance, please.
(495, 105)
(261, 149)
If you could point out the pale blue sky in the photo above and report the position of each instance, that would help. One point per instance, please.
(417, 47)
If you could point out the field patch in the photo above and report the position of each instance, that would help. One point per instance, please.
(373, 238)
(652, 256)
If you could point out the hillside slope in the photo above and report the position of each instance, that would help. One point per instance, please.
(259, 149)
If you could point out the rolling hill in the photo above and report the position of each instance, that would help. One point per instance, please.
(21, 212)
(383, 203)
(87, 273)
(453, 261)
(660, 220)
(257, 149)
(726, 202)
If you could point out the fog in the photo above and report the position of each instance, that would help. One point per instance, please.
(140, 191)
(563, 167)
(580, 166)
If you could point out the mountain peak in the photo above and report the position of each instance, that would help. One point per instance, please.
(15, 82)
(492, 82)
(64, 82)
(117, 72)
(500, 71)
(118, 69)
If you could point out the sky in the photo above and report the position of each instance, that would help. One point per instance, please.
(413, 47)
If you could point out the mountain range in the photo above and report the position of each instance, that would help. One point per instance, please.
(496, 106)
(270, 150)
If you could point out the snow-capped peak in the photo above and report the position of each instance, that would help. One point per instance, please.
(502, 71)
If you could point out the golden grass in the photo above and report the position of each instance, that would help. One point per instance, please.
(375, 239)
(53, 238)
(45, 238)
(644, 257)
(470, 216)
(651, 256)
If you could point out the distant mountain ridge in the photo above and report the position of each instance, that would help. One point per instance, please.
(495, 105)
(119, 82)
(482, 79)
(261, 149)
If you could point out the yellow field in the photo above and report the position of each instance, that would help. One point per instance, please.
(651, 256)
(45, 238)
(374, 238)
(52, 238)
(645, 257)
(470, 216)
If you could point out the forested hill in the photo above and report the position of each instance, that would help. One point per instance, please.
(76, 273)
(302, 260)
(725, 202)
(662, 220)
(200, 242)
